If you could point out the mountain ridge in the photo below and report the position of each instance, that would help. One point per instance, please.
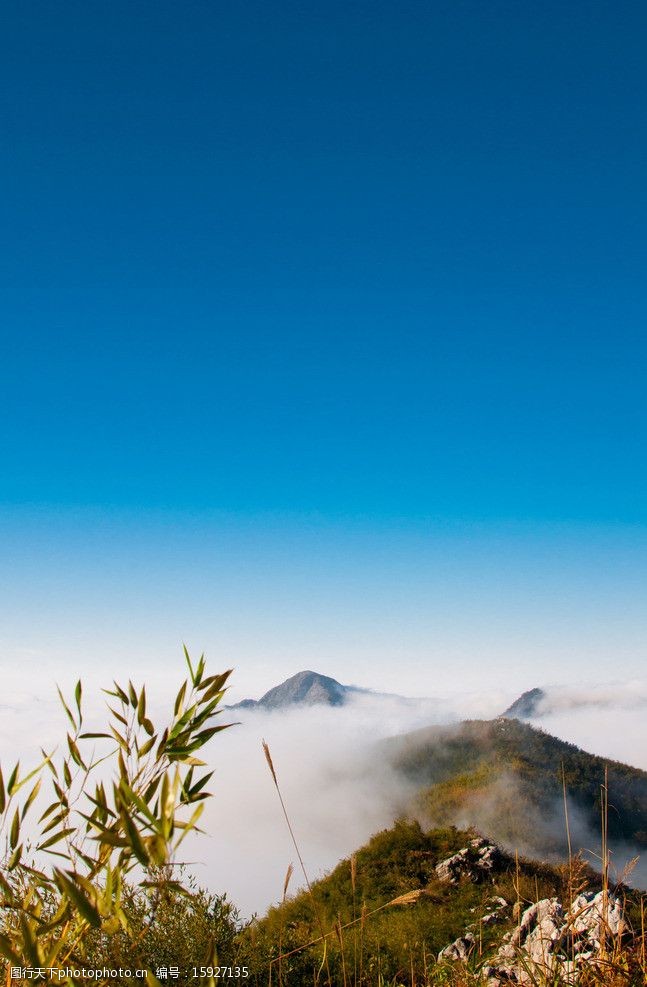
(526, 705)
(517, 783)
(308, 688)
(305, 688)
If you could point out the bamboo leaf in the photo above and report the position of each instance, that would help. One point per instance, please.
(191, 824)
(199, 785)
(188, 661)
(49, 763)
(182, 722)
(199, 672)
(120, 740)
(15, 830)
(118, 716)
(83, 905)
(215, 681)
(75, 754)
(23, 781)
(118, 693)
(179, 699)
(67, 709)
(134, 839)
(141, 706)
(30, 798)
(58, 818)
(13, 777)
(110, 838)
(146, 747)
(14, 858)
(48, 811)
(55, 839)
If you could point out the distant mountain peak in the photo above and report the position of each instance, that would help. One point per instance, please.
(526, 706)
(306, 688)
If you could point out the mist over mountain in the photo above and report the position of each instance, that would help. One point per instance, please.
(548, 701)
(522, 787)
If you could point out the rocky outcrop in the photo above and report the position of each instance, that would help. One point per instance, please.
(474, 862)
(460, 949)
(550, 940)
(497, 907)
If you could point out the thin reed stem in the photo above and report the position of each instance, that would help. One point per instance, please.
(268, 758)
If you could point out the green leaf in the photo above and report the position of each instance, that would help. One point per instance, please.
(188, 661)
(214, 684)
(157, 850)
(191, 824)
(201, 738)
(58, 818)
(75, 753)
(110, 838)
(199, 672)
(61, 794)
(49, 763)
(162, 744)
(179, 699)
(136, 799)
(134, 839)
(118, 693)
(120, 740)
(14, 858)
(30, 798)
(48, 811)
(23, 781)
(182, 722)
(15, 830)
(141, 706)
(144, 749)
(67, 710)
(152, 788)
(118, 716)
(13, 777)
(83, 905)
(62, 833)
(78, 692)
(3, 796)
(200, 784)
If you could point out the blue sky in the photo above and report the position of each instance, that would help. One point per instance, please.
(324, 335)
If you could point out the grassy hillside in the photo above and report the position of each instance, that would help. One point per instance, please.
(507, 778)
(389, 914)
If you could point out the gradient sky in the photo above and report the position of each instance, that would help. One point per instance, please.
(324, 338)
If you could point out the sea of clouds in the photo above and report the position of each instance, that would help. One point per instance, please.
(337, 788)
